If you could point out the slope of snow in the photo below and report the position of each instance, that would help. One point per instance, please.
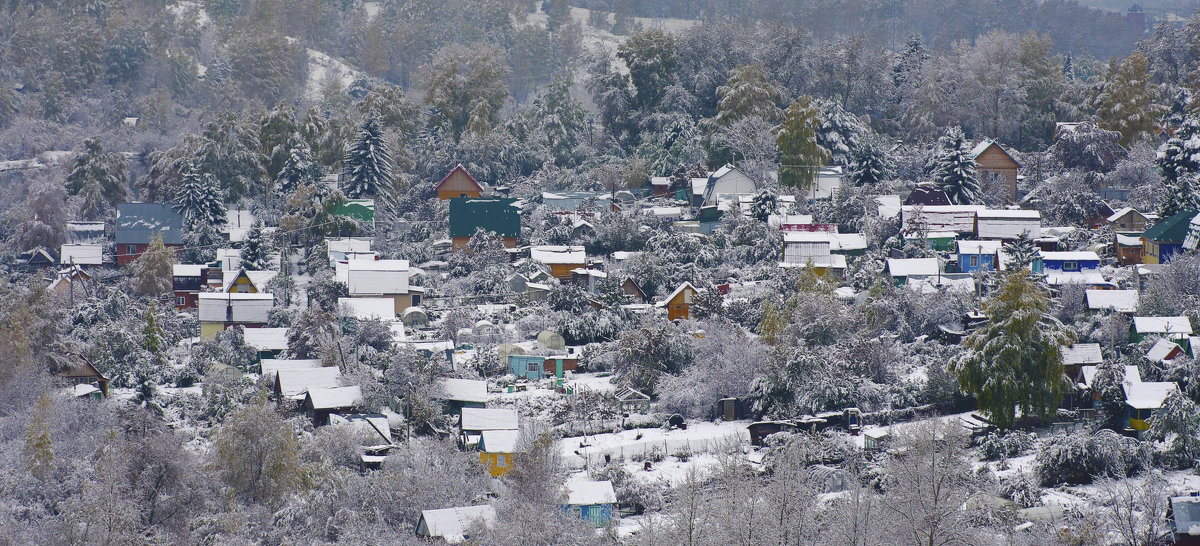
(322, 68)
(594, 37)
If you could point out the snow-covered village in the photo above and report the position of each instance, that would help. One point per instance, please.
(600, 272)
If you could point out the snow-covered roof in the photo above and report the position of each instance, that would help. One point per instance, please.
(372, 423)
(677, 291)
(1089, 277)
(1070, 256)
(906, 267)
(698, 185)
(1162, 350)
(348, 245)
(489, 419)
(375, 277)
(627, 394)
(272, 366)
(1185, 511)
(888, 205)
(838, 242)
(1121, 301)
(962, 283)
(1117, 215)
(257, 278)
(266, 339)
(978, 247)
(589, 493)
(187, 270)
(245, 307)
(832, 261)
(550, 254)
(955, 218)
(335, 397)
(81, 254)
(1015, 214)
(660, 181)
(1008, 223)
(1132, 375)
(1148, 395)
(451, 524)
(293, 383)
(665, 212)
(83, 389)
(463, 390)
(499, 441)
(1162, 325)
(1082, 353)
(1128, 240)
(368, 308)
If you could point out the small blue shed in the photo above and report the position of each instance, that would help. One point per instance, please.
(527, 366)
(592, 501)
(977, 255)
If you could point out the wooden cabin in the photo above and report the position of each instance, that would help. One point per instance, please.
(458, 183)
(679, 303)
(83, 373)
(496, 450)
(997, 168)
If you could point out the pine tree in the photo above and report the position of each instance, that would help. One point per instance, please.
(1015, 359)
(870, 165)
(1068, 68)
(800, 154)
(954, 169)
(298, 169)
(256, 252)
(368, 162)
(146, 368)
(152, 270)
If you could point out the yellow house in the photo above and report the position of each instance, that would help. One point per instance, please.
(219, 311)
(496, 450)
(247, 282)
(458, 183)
(679, 303)
(560, 259)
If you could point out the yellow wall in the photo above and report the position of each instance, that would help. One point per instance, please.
(209, 330)
(242, 284)
(491, 461)
(1150, 256)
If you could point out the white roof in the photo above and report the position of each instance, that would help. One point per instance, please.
(1009, 213)
(368, 308)
(372, 423)
(375, 277)
(1076, 255)
(83, 389)
(660, 181)
(978, 247)
(258, 278)
(832, 261)
(1148, 395)
(272, 366)
(463, 390)
(951, 283)
(377, 265)
(266, 339)
(549, 254)
(1132, 375)
(1121, 301)
(1090, 277)
(1008, 224)
(293, 383)
(698, 185)
(678, 290)
(499, 441)
(1128, 240)
(665, 212)
(589, 493)
(905, 267)
(1082, 353)
(451, 524)
(187, 270)
(335, 397)
(81, 254)
(1162, 350)
(888, 205)
(246, 307)
(489, 419)
(955, 218)
(348, 245)
(838, 242)
(1117, 215)
(1162, 325)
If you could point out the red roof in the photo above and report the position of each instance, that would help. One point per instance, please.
(457, 168)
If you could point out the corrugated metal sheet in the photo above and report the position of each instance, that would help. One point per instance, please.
(137, 222)
(82, 254)
(954, 218)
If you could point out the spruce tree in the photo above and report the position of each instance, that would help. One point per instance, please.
(199, 200)
(256, 251)
(368, 162)
(299, 168)
(954, 169)
(96, 168)
(1179, 160)
(1021, 252)
(870, 165)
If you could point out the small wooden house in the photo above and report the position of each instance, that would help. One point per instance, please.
(461, 393)
(139, 223)
(1143, 399)
(1129, 219)
(591, 501)
(1164, 350)
(1170, 327)
(320, 403)
(475, 421)
(1183, 516)
(452, 524)
(243, 281)
(560, 259)
(70, 282)
(494, 215)
(39, 257)
(631, 289)
(293, 383)
(679, 303)
(496, 450)
(84, 373)
(1161, 242)
(458, 183)
(997, 168)
(220, 311)
(1128, 249)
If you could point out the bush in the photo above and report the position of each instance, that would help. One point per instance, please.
(1023, 489)
(1080, 457)
(1002, 445)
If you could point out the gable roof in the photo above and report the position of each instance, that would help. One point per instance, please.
(1132, 375)
(451, 524)
(458, 168)
(550, 254)
(906, 267)
(1082, 353)
(293, 383)
(334, 397)
(266, 339)
(1162, 325)
(1171, 230)
(589, 493)
(679, 290)
(627, 394)
(489, 419)
(137, 223)
(978, 247)
(986, 144)
(927, 196)
(372, 423)
(258, 279)
(1162, 350)
(1121, 301)
(463, 390)
(499, 441)
(272, 366)
(1149, 395)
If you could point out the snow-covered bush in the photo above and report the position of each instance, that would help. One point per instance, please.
(1080, 457)
(1023, 489)
(998, 445)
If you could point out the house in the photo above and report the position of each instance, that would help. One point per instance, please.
(1165, 239)
(826, 183)
(726, 182)
(319, 403)
(83, 373)
(1078, 267)
(1192, 240)
(560, 259)
(997, 169)
(977, 255)
(220, 311)
(1129, 219)
(453, 524)
(1143, 399)
(292, 384)
(1007, 225)
(458, 183)
(1078, 355)
(933, 240)
(266, 342)
(270, 367)
(591, 501)
(632, 401)
(373, 430)
(1170, 327)
(138, 223)
(888, 206)
(382, 279)
(476, 420)
(572, 201)
(630, 288)
(927, 195)
(904, 270)
(243, 281)
(237, 225)
(1183, 515)
(527, 366)
(188, 280)
(1128, 249)
(660, 186)
(340, 250)
(679, 303)
(1117, 301)
(70, 281)
(81, 254)
(494, 215)
(461, 393)
(38, 257)
(496, 450)
(85, 232)
(958, 219)
(367, 309)
(1164, 350)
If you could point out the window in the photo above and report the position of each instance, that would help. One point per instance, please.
(532, 367)
(1070, 266)
(974, 261)
(416, 299)
(501, 460)
(131, 250)
(181, 300)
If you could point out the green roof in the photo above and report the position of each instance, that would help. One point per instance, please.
(497, 215)
(1171, 230)
(362, 210)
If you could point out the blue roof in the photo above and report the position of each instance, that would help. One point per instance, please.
(137, 223)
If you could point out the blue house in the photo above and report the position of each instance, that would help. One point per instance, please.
(527, 366)
(977, 255)
(591, 501)
(1077, 267)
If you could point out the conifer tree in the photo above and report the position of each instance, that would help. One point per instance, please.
(98, 171)
(800, 155)
(1179, 160)
(368, 162)
(1127, 101)
(870, 165)
(298, 169)
(256, 252)
(954, 169)
(1021, 251)
(199, 200)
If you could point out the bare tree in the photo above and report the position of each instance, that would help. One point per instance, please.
(927, 480)
(1136, 508)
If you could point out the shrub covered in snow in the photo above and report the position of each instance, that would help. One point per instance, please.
(1080, 457)
(997, 445)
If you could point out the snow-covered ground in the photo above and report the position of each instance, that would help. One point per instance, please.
(699, 438)
(322, 69)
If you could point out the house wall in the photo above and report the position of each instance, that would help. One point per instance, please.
(1131, 221)
(496, 464)
(209, 330)
(1154, 252)
(126, 257)
(519, 365)
(984, 262)
(1128, 255)
(243, 285)
(402, 301)
(563, 271)
(458, 184)
(189, 299)
(993, 160)
(681, 306)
